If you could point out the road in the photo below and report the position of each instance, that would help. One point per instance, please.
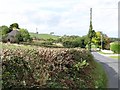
(111, 67)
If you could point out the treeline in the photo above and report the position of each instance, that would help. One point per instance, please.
(72, 41)
(77, 41)
(114, 39)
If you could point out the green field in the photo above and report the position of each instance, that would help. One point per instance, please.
(44, 36)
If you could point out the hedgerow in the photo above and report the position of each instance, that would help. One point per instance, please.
(47, 68)
(115, 47)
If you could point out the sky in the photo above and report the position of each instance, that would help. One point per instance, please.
(63, 17)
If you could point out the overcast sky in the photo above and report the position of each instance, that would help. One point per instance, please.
(70, 17)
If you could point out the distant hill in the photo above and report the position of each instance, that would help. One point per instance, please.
(44, 36)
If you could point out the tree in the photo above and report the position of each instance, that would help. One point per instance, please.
(18, 38)
(4, 30)
(14, 26)
(51, 33)
(105, 40)
(4, 39)
(25, 35)
(97, 39)
(73, 41)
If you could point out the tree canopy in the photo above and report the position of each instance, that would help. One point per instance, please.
(24, 34)
(4, 30)
(14, 26)
(101, 38)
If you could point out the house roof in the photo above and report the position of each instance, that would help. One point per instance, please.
(13, 33)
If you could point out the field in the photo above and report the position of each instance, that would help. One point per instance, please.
(31, 66)
(44, 36)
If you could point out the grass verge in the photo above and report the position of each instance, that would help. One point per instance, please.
(104, 53)
(100, 76)
(115, 57)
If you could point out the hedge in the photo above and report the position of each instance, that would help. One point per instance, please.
(47, 68)
(115, 47)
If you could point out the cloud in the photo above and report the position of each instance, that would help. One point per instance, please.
(61, 16)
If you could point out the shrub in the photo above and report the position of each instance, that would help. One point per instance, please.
(4, 38)
(67, 44)
(22, 68)
(46, 68)
(72, 41)
(25, 35)
(43, 67)
(70, 44)
(115, 47)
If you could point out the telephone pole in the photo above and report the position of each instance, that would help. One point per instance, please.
(91, 15)
(90, 31)
(101, 42)
(36, 31)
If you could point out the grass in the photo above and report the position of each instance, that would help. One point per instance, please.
(100, 77)
(103, 52)
(16, 46)
(44, 36)
(115, 57)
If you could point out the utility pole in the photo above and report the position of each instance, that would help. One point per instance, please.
(90, 31)
(36, 31)
(91, 15)
(101, 42)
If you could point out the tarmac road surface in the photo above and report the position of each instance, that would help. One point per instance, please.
(111, 67)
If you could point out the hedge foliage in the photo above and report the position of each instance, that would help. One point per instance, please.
(115, 47)
(46, 68)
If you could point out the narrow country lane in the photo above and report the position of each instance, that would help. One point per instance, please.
(111, 67)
